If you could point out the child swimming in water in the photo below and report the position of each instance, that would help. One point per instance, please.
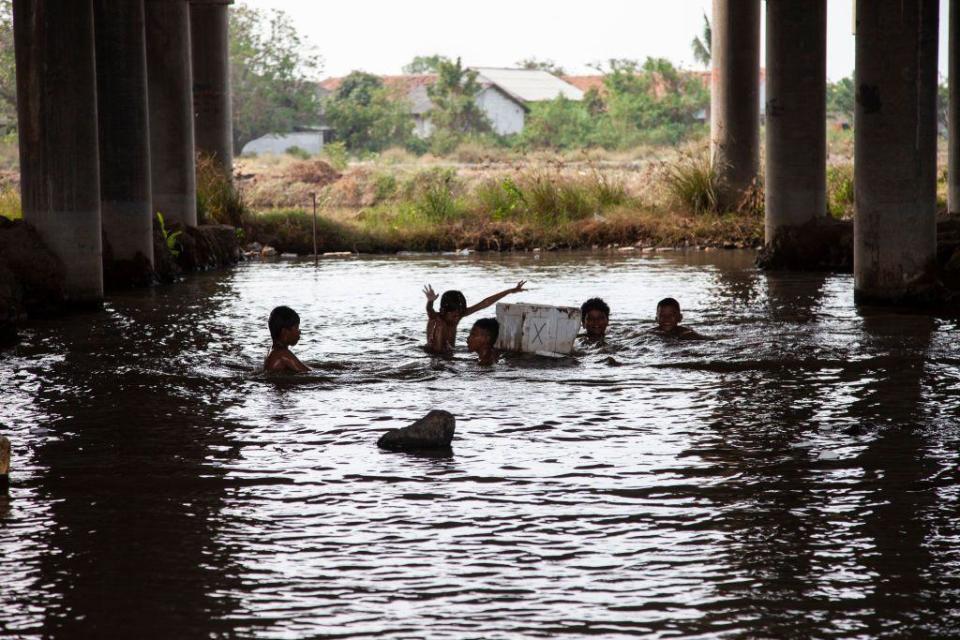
(482, 337)
(668, 322)
(595, 316)
(442, 325)
(284, 326)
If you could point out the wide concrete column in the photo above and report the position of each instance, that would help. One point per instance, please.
(895, 135)
(735, 93)
(57, 115)
(796, 130)
(953, 111)
(170, 92)
(210, 35)
(124, 129)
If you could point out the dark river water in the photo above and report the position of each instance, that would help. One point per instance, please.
(795, 477)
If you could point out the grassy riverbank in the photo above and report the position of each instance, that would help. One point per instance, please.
(521, 204)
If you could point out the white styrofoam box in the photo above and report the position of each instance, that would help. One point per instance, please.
(537, 328)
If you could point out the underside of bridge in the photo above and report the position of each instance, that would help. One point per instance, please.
(116, 98)
(895, 130)
(110, 94)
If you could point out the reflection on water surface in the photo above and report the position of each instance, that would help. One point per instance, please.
(795, 477)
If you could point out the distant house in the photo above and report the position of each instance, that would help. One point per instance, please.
(310, 139)
(505, 95)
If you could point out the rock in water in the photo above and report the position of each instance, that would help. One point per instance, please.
(433, 431)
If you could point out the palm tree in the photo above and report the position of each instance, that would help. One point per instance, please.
(701, 45)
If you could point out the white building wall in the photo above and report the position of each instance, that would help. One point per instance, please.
(505, 115)
(309, 141)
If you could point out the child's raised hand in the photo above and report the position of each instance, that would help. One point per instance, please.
(519, 287)
(430, 293)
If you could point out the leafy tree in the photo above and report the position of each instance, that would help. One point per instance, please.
(560, 123)
(544, 65)
(365, 116)
(8, 66)
(425, 64)
(650, 103)
(270, 66)
(702, 44)
(841, 97)
(454, 94)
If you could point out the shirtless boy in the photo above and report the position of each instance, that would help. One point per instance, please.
(442, 325)
(668, 322)
(284, 326)
(482, 337)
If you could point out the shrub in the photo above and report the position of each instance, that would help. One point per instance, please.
(557, 199)
(608, 191)
(336, 155)
(693, 183)
(840, 190)
(297, 152)
(10, 204)
(217, 198)
(499, 199)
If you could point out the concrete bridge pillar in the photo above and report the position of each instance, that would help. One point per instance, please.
(170, 92)
(124, 129)
(895, 136)
(735, 93)
(796, 139)
(57, 115)
(953, 111)
(210, 35)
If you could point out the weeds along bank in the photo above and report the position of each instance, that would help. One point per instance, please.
(494, 204)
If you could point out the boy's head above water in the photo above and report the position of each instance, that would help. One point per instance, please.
(453, 302)
(284, 326)
(595, 316)
(483, 335)
(668, 314)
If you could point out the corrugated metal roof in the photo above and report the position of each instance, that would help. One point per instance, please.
(528, 85)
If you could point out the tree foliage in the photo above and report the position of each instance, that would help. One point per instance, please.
(8, 66)
(270, 73)
(649, 103)
(701, 45)
(558, 124)
(365, 116)
(543, 65)
(841, 97)
(453, 95)
(424, 64)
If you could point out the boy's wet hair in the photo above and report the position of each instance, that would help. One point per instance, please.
(491, 326)
(282, 318)
(453, 301)
(594, 304)
(668, 302)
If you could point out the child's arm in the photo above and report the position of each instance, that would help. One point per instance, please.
(431, 296)
(486, 302)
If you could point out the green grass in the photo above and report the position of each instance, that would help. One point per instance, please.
(10, 204)
(693, 183)
(840, 190)
(218, 201)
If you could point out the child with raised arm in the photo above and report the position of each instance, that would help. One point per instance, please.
(284, 326)
(442, 324)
